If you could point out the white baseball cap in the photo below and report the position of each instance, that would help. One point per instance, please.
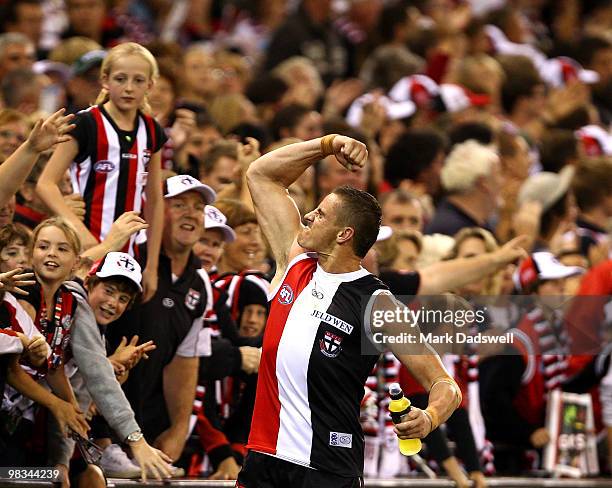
(542, 266)
(175, 185)
(118, 264)
(394, 110)
(558, 71)
(214, 219)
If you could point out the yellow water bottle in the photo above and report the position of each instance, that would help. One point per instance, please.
(400, 406)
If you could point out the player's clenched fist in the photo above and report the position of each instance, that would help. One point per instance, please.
(350, 153)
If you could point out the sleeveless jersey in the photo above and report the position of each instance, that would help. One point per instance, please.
(312, 373)
(111, 168)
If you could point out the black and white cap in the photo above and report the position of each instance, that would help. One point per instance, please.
(118, 264)
(214, 219)
(175, 185)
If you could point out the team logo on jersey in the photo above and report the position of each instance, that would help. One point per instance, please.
(330, 344)
(168, 302)
(192, 299)
(146, 156)
(285, 295)
(104, 166)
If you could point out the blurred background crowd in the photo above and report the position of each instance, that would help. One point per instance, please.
(484, 120)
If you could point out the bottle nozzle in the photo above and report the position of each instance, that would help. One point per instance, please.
(395, 391)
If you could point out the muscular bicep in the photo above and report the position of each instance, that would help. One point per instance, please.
(277, 215)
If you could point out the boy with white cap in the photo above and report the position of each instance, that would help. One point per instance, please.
(110, 287)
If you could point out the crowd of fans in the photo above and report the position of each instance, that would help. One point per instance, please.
(128, 231)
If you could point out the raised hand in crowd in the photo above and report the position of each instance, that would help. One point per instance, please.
(43, 136)
(13, 280)
(373, 118)
(512, 250)
(340, 95)
(526, 221)
(180, 131)
(247, 153)
(129, 354)
(128, 224)
(47, 133)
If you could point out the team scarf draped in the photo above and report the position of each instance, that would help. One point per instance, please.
(57, 329)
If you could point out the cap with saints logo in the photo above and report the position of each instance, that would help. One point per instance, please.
(175, 185)
(214, 219)
(118, 264)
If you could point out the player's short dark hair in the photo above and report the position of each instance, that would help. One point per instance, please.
(361, 211)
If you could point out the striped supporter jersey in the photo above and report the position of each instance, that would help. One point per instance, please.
(111, 167)
(312, 372)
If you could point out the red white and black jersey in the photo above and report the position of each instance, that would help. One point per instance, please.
(13, 319)
(312, 371)
(111, 167)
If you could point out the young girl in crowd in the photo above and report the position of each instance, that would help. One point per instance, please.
(114, 157)
(64, 318)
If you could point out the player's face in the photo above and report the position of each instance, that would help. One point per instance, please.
(107, 302)
(128, 82)
(15, 255)
(253, 320)
(320, 231)
(209, 248)
(53, 258)
(184, 220)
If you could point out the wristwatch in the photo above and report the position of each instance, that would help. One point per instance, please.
(134, 436)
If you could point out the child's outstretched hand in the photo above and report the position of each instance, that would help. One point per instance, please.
(47, 133)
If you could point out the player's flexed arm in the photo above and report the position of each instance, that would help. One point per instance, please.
(270, 176)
